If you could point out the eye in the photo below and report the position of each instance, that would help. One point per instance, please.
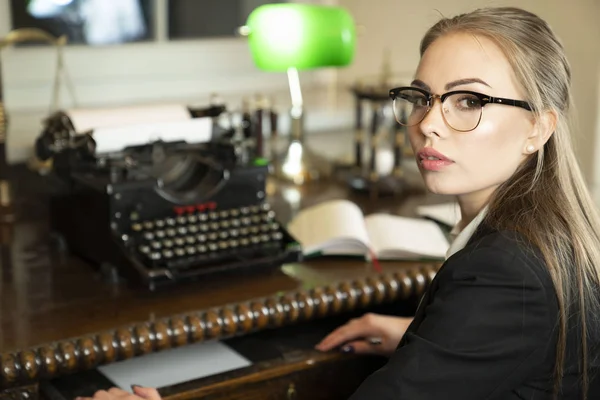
(466, 102)
(416, 99)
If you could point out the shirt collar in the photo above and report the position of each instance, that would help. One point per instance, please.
(460, 238)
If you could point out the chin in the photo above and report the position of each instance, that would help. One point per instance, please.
(437, 184)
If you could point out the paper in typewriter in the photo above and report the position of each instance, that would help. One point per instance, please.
(174, 366)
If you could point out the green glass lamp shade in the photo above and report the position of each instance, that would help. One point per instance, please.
(304, 36)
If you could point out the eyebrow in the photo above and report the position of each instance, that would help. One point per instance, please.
(419, 83)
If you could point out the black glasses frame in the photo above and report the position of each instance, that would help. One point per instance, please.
(483, 98)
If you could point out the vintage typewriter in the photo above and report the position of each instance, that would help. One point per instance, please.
(171, 202)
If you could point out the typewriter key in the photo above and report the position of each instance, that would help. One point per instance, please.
(274, 226)
(213, 215)
(201, 248)
(192, 219)
(234, 222)
(225, 224)
(170, 221)
(265, 238)
(182, 230)
(233, 243)
(179, 241)
(277, 236)
(254, 230)
(159, 223)
(167, 243)
(244, 242)
(224, 214)
(148, 235)
(145, 249)
(223, 234)
(167, 253)
(181, 220)
(160, 234)
(244, 231)
(156, 245)
(269, 215)
(223, 245)
(234, 233)
(254, 209)
(180, 252)
(234, 212)
(155, 256)
(265, 206)
(255, 239)
(246, 221)
(148, 224)
(201, 238)
(213, 247)
(192, 229)
(204, 227)
(171, 232)
(203, 217)
(190, 239)
(213, 236)
(191, 250)
(256, 219)
(136, 227)
(214, 226)
(265, 228)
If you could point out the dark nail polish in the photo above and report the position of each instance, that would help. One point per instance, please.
(347, 349)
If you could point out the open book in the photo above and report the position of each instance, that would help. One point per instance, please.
(339, 227)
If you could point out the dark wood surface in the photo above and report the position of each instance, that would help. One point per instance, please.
(57, 315)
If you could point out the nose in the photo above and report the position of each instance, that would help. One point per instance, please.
(433, 123)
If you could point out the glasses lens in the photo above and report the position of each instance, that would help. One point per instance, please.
(462, 111)
(410, 107)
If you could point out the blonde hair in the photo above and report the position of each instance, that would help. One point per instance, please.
(546, 200)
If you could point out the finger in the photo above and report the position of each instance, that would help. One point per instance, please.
(117, 392)
(363, 347)
(351, 331)
(146, 392)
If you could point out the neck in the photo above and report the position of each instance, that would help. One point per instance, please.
(472, 203)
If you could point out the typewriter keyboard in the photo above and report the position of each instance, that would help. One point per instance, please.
(200, 238)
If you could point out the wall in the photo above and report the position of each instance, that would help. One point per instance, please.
(185, 71)
(398, 25)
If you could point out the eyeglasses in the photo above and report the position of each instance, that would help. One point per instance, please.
(461, 109)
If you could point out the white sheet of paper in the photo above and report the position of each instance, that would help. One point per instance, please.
(113, 139)
(174, 366)
(85, 119)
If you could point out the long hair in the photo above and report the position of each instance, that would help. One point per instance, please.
(546, 200)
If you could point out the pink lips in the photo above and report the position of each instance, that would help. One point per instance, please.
(433, 160)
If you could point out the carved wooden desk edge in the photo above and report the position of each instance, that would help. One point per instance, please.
(24, 367)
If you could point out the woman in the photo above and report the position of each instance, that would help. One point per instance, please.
(513, 312)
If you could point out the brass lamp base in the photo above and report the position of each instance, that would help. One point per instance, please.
(300, 165)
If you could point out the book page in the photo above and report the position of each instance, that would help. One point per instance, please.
(394, 237)
(446, 213)
(332, 227)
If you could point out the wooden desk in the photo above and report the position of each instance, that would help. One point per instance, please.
(57, 315)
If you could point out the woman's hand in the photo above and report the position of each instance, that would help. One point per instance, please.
(369, 334)
(139, 393)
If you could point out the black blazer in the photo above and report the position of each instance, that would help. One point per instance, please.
(485, 329)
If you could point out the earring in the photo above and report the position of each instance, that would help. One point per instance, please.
(530, 148)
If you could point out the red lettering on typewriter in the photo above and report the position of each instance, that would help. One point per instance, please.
(179, 210)
(190, 209)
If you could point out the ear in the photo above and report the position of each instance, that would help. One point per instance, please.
(542, 130)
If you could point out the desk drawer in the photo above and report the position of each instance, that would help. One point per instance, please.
(314, 377)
